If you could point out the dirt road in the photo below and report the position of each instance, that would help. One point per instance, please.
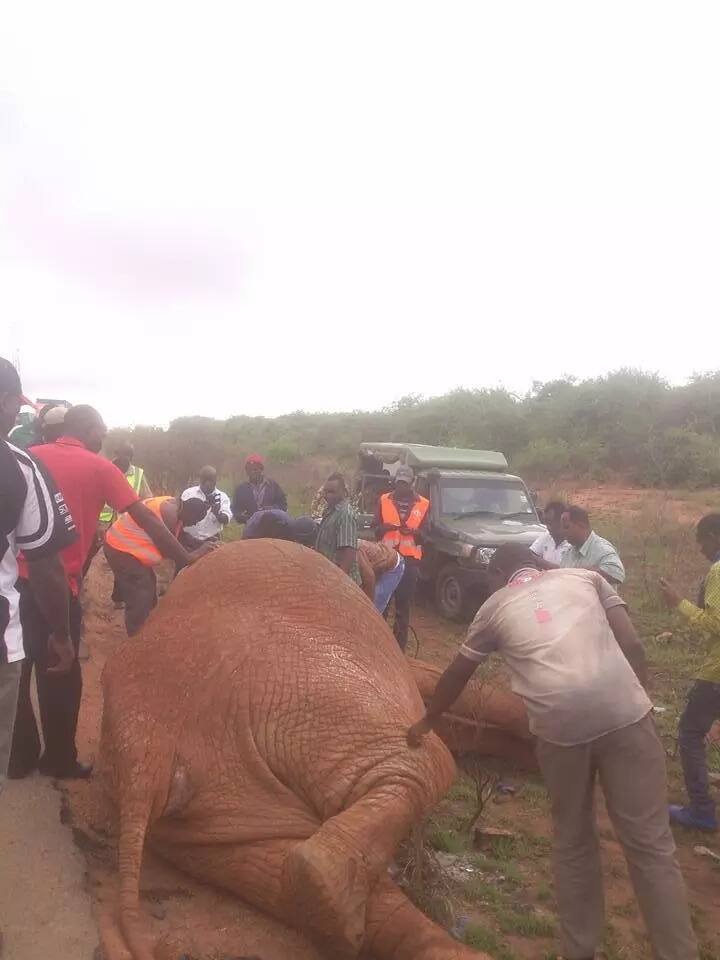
(45, 905)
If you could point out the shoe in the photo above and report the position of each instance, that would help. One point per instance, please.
(684, 817)
(78, 771)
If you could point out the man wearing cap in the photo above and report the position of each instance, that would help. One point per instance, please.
(34, 518)
(399, 522)
(258, 492)
(50, 423)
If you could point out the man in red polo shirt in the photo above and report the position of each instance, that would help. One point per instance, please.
(87, 481)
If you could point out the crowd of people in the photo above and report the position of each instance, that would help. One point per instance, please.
(554, 614)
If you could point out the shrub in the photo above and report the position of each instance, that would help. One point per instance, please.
(283, 450)
(543, 459)
(679, 457)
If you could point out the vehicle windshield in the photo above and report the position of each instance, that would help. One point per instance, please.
(502, 498)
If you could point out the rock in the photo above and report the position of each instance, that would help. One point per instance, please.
(664, 637)
(158, 911)
(486, 837)
(459, 928)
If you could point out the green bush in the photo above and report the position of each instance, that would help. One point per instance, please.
(679, 457)
(284, 450)
(543, 459)
(628, 424)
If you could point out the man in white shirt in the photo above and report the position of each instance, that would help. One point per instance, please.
(550, 545)
(577, 662)
(218, 512)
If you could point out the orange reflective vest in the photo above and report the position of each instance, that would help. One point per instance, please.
(129, 537)
(404, 543)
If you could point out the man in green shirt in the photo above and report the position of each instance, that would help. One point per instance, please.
(338, 534)
(586, 550)
(703, 706)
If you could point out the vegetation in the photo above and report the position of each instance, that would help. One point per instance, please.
(629, 423)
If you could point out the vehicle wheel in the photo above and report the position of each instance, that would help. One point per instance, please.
(451, 594)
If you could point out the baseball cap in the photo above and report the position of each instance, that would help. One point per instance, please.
(10, 382)
(54, 416)
(405, 473)
(254, 458)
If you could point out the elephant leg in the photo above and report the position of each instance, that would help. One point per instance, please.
(327, 878)
(396, 930)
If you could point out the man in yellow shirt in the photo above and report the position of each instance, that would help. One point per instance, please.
(703, 706)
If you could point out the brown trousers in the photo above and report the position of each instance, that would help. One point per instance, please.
(630, 764)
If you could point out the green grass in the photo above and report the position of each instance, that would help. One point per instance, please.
(482, 891)
(527, 924)
(483, 938)
(445, 840)
(507, 869)
(535, 795)
(461, 790)
(544, 893)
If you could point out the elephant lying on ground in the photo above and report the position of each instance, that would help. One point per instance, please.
(254, 732)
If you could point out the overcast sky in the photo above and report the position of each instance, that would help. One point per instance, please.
(228, 208)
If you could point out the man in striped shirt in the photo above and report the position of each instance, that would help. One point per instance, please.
(33, 518)
(338, 534)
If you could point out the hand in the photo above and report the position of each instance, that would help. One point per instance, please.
(418, 731)
(60, 650)
(203, 551)
(670, 595)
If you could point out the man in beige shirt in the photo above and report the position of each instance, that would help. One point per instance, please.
(578, 664)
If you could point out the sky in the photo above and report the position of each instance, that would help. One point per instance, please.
(255, 208)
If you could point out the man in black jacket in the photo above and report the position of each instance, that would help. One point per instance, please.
(257, 493)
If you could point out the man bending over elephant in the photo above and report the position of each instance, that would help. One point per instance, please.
(576, 660)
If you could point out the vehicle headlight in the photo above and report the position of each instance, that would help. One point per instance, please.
(483, 555)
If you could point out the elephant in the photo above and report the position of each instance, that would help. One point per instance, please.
(254, 732)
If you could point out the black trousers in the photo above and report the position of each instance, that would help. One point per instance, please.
(403, 599)
(59, 695)
(701, 712)
(137, 586)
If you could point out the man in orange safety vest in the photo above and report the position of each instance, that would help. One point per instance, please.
(133, 552)
(401, 517)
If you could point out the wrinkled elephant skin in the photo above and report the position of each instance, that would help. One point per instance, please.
(254, 732)
(485, 720)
